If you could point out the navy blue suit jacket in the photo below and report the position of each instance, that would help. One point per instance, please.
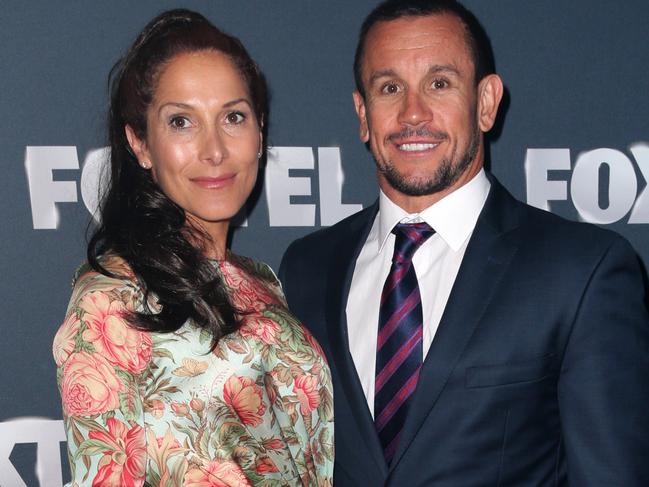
(538, 373)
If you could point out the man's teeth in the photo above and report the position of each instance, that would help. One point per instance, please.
(416, 147)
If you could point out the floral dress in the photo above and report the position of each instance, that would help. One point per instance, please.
(160, 409)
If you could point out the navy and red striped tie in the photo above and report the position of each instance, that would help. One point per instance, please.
(399, 352)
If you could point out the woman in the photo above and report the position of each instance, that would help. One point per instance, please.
(178, 361)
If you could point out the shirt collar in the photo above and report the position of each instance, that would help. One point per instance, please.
(453, 217)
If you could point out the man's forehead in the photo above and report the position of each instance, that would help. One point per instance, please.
(417, 28)
(441, 33)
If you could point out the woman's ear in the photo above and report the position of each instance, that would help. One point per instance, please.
(138, 147)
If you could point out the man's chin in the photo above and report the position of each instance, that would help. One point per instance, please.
(413, 185)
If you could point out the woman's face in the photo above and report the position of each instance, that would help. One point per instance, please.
(202, 139)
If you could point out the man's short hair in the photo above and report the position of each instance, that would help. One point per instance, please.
(477, 39)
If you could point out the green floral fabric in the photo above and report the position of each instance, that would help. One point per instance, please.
(161, 408)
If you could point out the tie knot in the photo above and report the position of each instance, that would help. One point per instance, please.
(410, 236)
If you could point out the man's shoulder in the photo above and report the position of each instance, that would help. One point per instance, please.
(553, 225)
(562, 236)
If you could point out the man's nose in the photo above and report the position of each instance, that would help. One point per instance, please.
(414, 109)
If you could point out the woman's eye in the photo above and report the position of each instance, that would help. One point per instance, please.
(179, 123)
(390, 89)
(235, 118)
(438, 84)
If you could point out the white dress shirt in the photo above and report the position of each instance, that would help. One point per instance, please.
(436, 264)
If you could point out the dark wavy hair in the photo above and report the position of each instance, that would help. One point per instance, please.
(476, 36)
(139, 222)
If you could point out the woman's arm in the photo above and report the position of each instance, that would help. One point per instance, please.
(100, 358)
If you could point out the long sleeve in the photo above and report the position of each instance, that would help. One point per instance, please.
(604, 381)
(297, 380)
(99, 358)
(299, 385)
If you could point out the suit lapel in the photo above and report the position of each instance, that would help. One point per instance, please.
(486, 259)
(338, 285)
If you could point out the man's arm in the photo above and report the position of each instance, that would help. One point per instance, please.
(604, 381)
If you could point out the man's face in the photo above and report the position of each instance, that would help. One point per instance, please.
(423, 112)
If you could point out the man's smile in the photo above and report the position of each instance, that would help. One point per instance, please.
(416, 146)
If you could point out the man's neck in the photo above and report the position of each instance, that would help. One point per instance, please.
(416, 204)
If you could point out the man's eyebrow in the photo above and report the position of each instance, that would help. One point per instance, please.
(443, 68)
(434, 69)
(383, 73)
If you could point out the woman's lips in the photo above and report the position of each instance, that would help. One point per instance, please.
(213, 183)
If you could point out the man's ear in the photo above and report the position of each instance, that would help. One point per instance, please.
(490, 92)
(359, 104)
(138, 147)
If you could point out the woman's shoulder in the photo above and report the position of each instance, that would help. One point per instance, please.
(96, 325)
(254, 267)
(113, 264)
(253, 278)
(114, 275)
(99, 355)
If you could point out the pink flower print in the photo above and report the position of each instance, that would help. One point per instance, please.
(216, 474)
(197, 404)
(155, 407)
(313, 342)
(274, 444)
(112, 336)
(245, 398)
(124, 463)
(65, 338)
(250, 294)
(180, 408)
(89, 385)
(265, 465)
(260, 328)
(306, 389)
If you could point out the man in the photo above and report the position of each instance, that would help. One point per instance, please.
(473, 340)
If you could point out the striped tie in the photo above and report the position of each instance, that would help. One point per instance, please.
(399, 351)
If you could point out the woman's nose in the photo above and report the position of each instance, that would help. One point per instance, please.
(213, 149)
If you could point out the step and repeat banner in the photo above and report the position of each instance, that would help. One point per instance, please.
(573, 139)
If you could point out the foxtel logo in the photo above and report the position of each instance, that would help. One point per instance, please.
(46, 193)
(590, 170)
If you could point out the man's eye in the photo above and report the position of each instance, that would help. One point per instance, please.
(235, 118)
(179, 123)
(439, 84)
(390, 89)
